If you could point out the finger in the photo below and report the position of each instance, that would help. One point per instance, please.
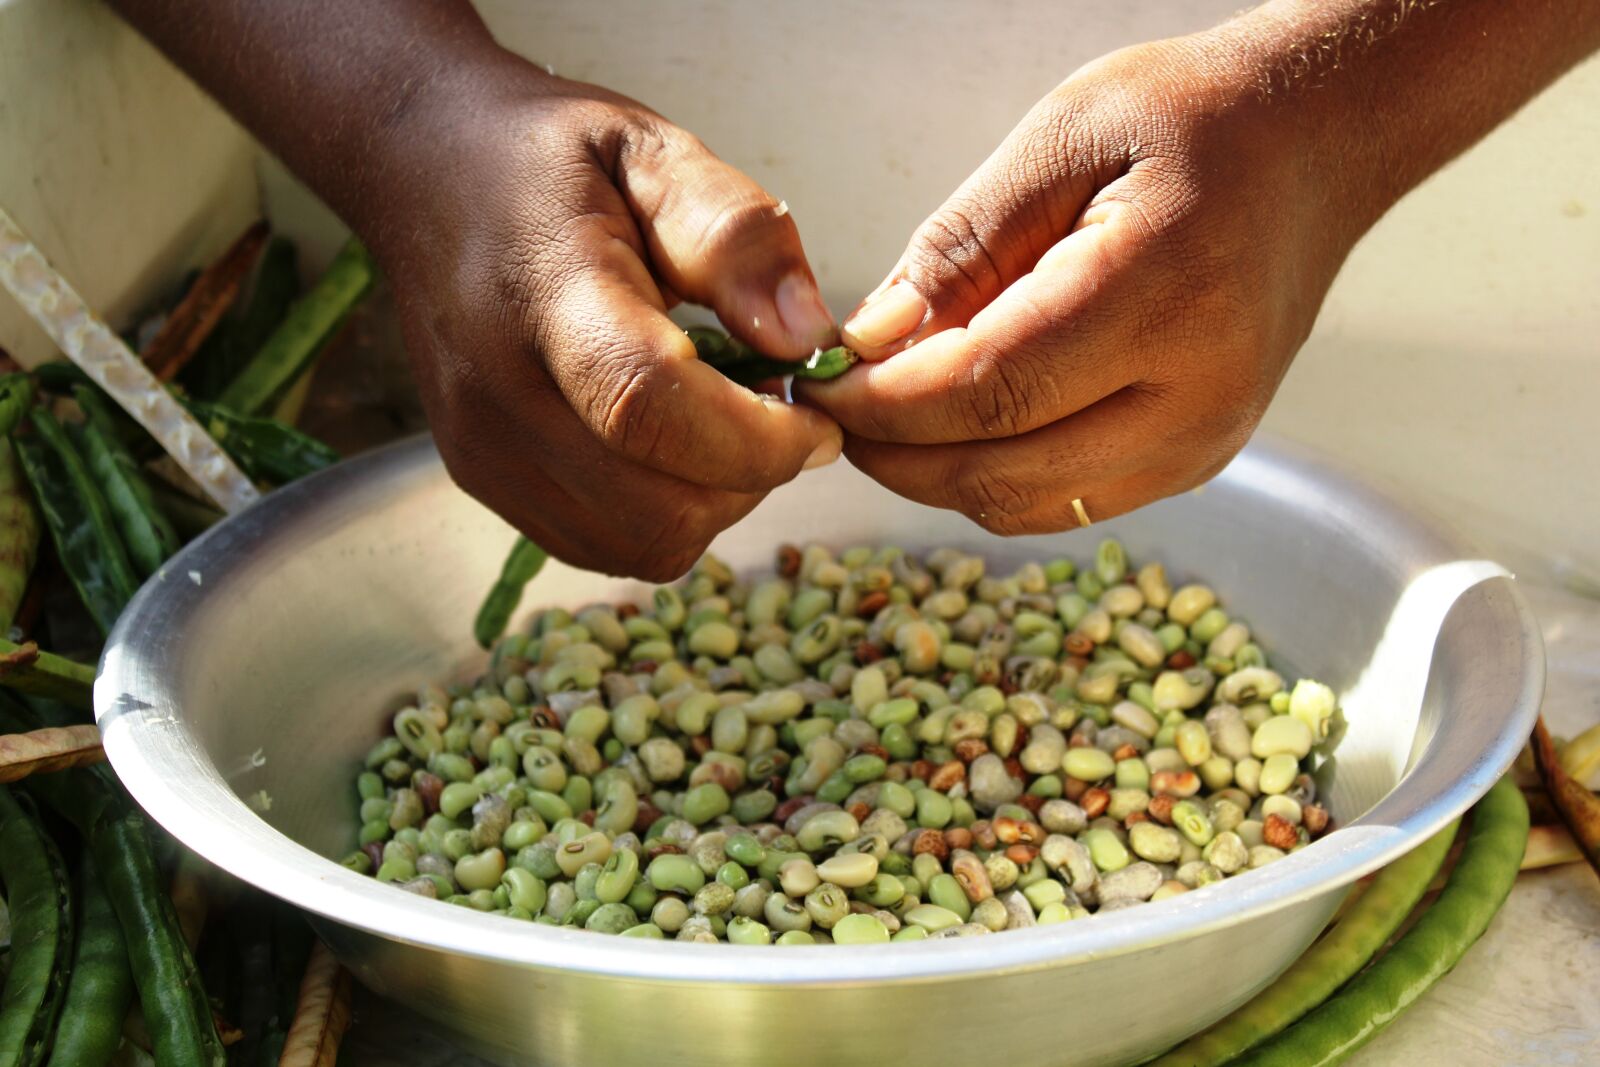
(1059, 339)
(1112, 457)
(987, 235)
(719, 239)
(581, 504)
(657, 521)
(631, 376)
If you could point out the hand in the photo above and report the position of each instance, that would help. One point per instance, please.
(535, 231)
(1104, 309)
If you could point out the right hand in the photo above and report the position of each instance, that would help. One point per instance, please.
(535, 231)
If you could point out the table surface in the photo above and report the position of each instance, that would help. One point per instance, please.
(1523, 996)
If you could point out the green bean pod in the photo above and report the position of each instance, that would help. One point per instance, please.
(265, 449)
(176, 1010)
(823, 365)
(146, 531)
(240, 335)
(1326, 965)
(101, 988)
(716, 348)
(308, 326)
(79, 519)
(19, 535)
(524, 561)
(40, 903)
(1479, 884)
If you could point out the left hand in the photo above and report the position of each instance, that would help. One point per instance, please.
(1105, 308)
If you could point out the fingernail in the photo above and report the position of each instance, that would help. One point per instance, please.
(825, 453)
(804, 315)
(886, 317)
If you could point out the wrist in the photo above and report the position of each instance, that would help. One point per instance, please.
(1290, 67)
(384, 169)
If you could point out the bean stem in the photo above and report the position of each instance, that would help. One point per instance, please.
(28, 670)
(309, 325)
(523, 562)
(1326, 965)
(1478, 885)
(47, 750)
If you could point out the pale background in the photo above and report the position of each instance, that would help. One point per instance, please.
(1459, 353)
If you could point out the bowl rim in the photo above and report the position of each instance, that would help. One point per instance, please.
(140, 723)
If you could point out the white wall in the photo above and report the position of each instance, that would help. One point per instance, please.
(120, 170)
(1459, 352)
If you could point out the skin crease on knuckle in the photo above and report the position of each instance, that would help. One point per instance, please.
(949, 254)
(992, 498)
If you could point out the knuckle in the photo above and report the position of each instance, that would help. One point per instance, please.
(629, 416)
(1001, 395)
(677, 539)
(950, 248)
(745, 221)
(993, 498)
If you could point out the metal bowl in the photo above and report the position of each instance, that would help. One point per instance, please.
(243, 684)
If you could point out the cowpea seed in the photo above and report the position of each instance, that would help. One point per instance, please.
(1281, 734)
(862, 741)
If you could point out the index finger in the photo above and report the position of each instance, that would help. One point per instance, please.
(631, 375)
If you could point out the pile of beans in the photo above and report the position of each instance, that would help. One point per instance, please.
(861, 747)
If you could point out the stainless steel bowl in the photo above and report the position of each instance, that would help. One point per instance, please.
(243, 684)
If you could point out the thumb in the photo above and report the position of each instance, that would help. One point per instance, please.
(1023, 199)
(717, 238)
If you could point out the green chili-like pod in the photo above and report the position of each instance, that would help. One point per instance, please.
(309, 325)
(101, 989)
(79, 519)
(240, 335)
(823, 365)
(1477, 886)
(524, 561)
(176, 1010)
(40, 904)
(146, 531)
(265, 449)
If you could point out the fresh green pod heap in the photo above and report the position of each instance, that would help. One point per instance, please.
(859, 748)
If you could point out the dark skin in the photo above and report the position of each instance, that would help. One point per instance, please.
(1103, 311)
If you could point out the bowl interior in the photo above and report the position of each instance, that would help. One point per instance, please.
(254, 672)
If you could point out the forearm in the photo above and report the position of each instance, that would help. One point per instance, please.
(332, 88)
(1396, 88)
